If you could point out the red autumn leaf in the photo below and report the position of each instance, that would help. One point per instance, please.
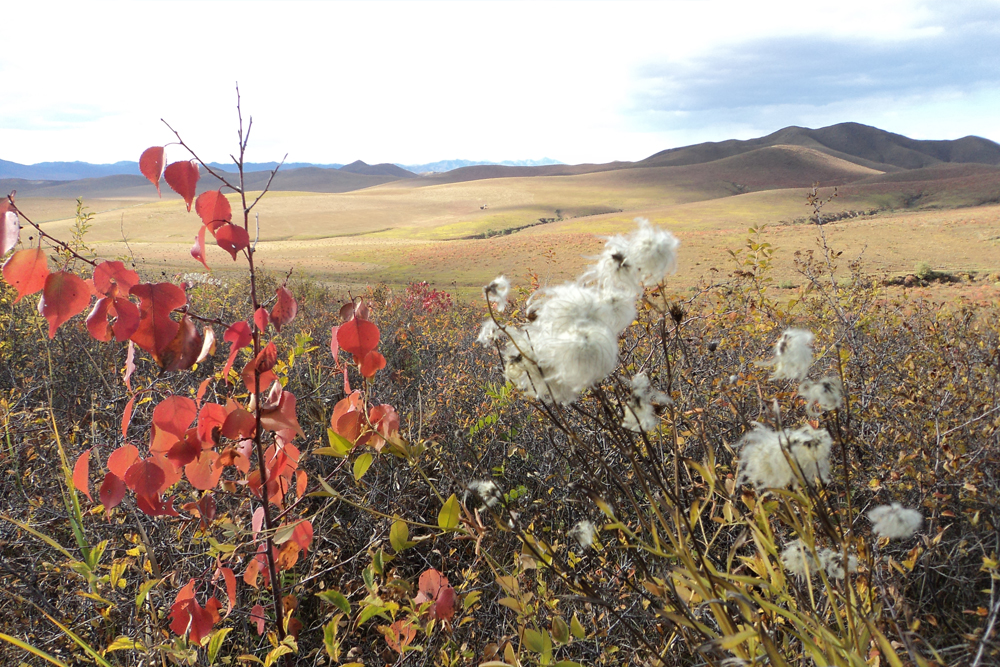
(261, 318)
(303, 534)
(10, 227)
(174, 415)
(232, 238)
(183, 350)
(359, 337)
(444, 606)
(198, 249)
(130, 364)
(239, 336)
(282, 416)
(187, 615)
(212, 206)
(399, 635)
(109, 275)
(249, 375)
(301, 480)
(257, 521)
(26, 271)
(284, 309)
(186, 450)
(211, 419)
(156, 301)
(202, 472)
(171, 473)
(250, 575)
(81, 474)
(288, 556)
(112, 491)
(433, 586)
(230, 578)
(239, 424)
(145, 477)
(182, 177)
(122, 459)
(257, 616)
(156, 506)
(334, 345)
(207, 508)
(267, 358)
(372, 364)
(127, 416)
(151, 165)
(64, 296)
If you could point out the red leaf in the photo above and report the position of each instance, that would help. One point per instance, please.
(239, 424)
(64, 296)
(399, 635)
(239, 335)
(359, 337)
(130, 364)
(174, 415)
(250, 576)
(261, 318)
(110, 275)
(187, 615)
(156, 506)
(334, 345)
(182, 177)
(26, 271)
(211, 419)
(186, 450)
(10, 227)
(127, 416)
(151, 165)
(183, 350)
(282, 417)
(267, 358)
(284, 309)
(112, 491)
(227, 574)
(257, 521)
(372, 364)
(122, 459)
(444, 606)
(303, 534)
(257, 616)
(198, 249)
(266, 378)
(126, 319)
(232, 239)
(301, 480)
(145, 477)
(212, 206)
(434, 586)
(202, 472)
(207, 508)
(156, 330)
(81, 474)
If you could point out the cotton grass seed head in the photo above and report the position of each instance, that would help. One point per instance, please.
(833, 563)
(822, 395)
(797, 560)
(487, 491)
(496, 292)
(793, 355)
(489, 334)
(895, 521)
(763, 460)
(583, 532)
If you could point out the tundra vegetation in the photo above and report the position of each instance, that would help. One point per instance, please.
(602, 472)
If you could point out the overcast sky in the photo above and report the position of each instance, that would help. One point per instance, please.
(415, 82)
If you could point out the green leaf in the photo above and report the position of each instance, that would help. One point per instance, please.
(284, 533)
(372, 610)
(215, 643)
(448, 517)
(577, 629)
(361, 465)
(471, 599)
(339, 445)
(330, 641)
(337, 599)
(32, 650)
(276, 653)
(399, 536)
(144, 591)
(560, 631)
(533, 640)
(123, 643)
(567, 663)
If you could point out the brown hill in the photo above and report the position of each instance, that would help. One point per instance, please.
(383, 169)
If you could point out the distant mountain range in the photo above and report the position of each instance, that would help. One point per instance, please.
(754, 163)
(73, 171)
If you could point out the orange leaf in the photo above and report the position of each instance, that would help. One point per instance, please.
(202, 472)
(64, 296)
(81, 474)
(122, 459)
(359, 337)
(183, 350)
(182, 177)
(227, 574)
(257, 616)
(284, 309)
(198, 249)
(174, 415)
(156, 330)
(112, 491)
(151, 165)
(212, 206)
(250, 576)
(371, 364)
(26, 271)
(239, 336)
(127, 416)
(303, 534)
(232, 238)
(110, 275)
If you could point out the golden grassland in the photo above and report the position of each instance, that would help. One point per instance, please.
(404, 231)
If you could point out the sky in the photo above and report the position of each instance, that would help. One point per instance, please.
(415, 82)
